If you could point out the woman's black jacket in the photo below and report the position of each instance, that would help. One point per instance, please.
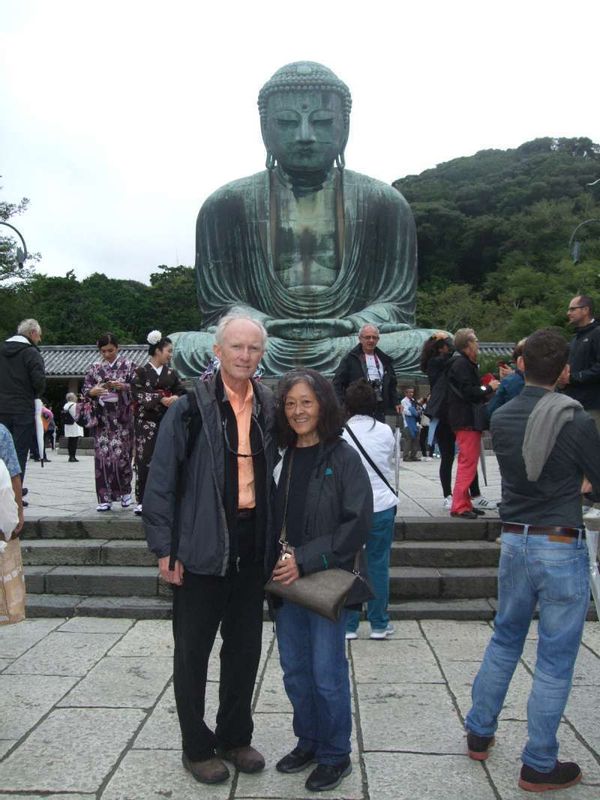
(464, 390)
(338, 513)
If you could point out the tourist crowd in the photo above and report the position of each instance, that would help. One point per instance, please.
(237, 486)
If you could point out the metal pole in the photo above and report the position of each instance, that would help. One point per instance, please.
(21, 254)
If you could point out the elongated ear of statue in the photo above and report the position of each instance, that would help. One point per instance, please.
(271, 161)
(340, 161)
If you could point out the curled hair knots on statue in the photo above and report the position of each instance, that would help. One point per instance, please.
(305, 76)
(156, 341)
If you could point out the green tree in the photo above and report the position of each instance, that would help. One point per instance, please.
(11, 267)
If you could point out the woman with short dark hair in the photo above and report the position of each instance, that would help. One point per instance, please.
(108, 385)
(324, 499)
(155, 388)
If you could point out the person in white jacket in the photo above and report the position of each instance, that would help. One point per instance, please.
(72, 430)
(377, 441)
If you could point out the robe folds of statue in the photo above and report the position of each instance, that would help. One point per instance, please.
(236, 258)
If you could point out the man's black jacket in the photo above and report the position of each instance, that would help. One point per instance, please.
(353, 366)
(22, 375)
(584, 360)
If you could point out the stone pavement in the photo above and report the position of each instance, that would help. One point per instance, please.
(87, 711)
(60, 489)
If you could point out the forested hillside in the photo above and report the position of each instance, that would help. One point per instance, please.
(494, 231)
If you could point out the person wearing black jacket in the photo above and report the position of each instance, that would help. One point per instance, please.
(464, 395)
(325, 501)
(367, 361)
(22, 380)
(206, 516)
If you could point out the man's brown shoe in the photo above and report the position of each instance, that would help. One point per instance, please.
(246, 758)
(213, 770)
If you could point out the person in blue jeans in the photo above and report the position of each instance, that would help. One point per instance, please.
(377, 442)
(322, 509)
(548, 450)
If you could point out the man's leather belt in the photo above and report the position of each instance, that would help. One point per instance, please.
(543, 530)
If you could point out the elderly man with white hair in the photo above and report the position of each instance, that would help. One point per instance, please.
(206, 516)
(367, 361)
(22, 380)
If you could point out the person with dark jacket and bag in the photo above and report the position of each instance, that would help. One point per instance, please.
(22, 380)
(206, 516)
(322, 508)
(466, 416)
(436, 358)
(367, 361)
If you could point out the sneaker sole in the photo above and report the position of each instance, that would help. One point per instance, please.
(477, 755)
(547, 787)
(330, 786)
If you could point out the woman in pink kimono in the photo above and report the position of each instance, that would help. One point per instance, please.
(108, 385)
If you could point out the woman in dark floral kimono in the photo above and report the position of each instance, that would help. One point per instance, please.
(108, 385)
(155, 387)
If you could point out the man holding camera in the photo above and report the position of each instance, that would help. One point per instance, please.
(366, 360)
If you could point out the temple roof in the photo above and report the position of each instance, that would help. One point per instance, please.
(74, 360)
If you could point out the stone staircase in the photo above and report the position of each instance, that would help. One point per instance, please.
(97, 566)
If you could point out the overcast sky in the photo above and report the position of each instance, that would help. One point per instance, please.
(120, 118)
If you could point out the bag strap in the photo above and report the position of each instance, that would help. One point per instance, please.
(378, 472)
(288, 478)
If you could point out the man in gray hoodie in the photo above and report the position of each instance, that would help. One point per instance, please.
(22, 380)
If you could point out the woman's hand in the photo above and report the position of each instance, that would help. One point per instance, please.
(98, 390)
(286, 570)
(116, 386)
(168, 401)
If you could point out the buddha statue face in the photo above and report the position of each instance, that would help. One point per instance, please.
(305, 130)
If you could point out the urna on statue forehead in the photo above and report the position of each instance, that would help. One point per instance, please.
(304, 76)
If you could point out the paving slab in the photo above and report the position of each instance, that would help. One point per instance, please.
(63, 654)
(461, 674)
(96, 625)
(408, 776)
(409, 717)
(147, 638)
(117, 682)
(457, 641)
(587, 666)
(48, 796)
(378, 661)
(161, 775)
(17, 639)
(5, 745)
(56, 755)
(25, 700)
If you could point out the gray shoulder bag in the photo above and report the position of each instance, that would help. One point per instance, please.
(323, 592)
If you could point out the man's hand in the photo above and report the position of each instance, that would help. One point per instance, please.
(21, 522)
(586, 486)
(504, 371)
(286, 570)
(399, 409)
(175, 575)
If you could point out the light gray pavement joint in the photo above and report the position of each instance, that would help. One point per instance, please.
(87, 711)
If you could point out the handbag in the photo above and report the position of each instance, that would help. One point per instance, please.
(374, 466)
(12, 583)
(324, 592)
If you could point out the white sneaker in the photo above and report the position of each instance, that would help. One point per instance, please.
(427, 458)
(593, 513)
(126, 501)
(447, 504)
(138, 510)
(351, 635)
(389, 631)
(483, 503)
(103, 506)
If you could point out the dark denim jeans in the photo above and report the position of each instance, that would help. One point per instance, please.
(312, 651)
(554, 574)
(378, 561)
(22, 429)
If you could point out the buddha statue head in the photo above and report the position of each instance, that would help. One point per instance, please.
(305, 118)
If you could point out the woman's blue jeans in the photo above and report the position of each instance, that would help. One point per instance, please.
(312, 652)
(378, 563)
(554, 574)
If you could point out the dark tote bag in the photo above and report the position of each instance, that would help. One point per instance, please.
(323, 592)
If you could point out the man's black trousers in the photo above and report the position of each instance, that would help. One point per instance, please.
(235, 602)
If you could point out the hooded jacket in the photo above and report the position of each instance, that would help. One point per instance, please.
(22, 375)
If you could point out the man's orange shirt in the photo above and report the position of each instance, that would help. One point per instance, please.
(242, 408)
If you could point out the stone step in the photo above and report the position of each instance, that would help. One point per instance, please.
(110, 581)
(417, 583)
(445, 554)
(124, 525)
(87, 552)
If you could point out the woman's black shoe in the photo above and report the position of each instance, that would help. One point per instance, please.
(328, 776)
(295, 761)
(73, 460)
(464, 514)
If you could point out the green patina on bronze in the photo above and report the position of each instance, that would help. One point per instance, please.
(310, 248)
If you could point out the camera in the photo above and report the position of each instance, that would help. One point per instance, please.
(378, 389)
